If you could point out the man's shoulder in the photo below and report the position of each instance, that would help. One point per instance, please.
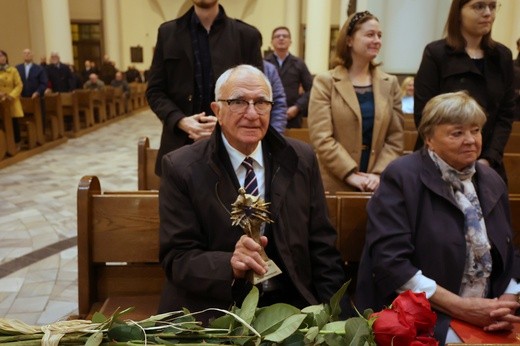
(241, 25)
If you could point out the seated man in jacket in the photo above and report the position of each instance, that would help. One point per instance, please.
(204, 256)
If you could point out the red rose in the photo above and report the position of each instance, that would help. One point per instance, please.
(417, 311)
(425, 341)
(392, 329)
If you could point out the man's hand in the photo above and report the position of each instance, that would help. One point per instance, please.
(247, 257)
(198, 126)
(35, 95)
(292, 112)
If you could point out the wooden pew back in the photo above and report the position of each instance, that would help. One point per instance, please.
(118, 249)
(512, 166)
(302, 134)
(32, 121)
(352, 222)
(54, 115)
(146, 157)
(514, 205)
(513, 144)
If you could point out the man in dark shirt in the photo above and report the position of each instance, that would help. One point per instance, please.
(191, 53)
(60, 75)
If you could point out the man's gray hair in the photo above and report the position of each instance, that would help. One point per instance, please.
(240, 70)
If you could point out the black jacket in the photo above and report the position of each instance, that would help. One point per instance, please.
(444, 69)
(171, 83)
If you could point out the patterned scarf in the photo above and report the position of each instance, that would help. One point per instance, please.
(478, 256)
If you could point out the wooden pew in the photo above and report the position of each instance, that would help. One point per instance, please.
(146, 156)
(32, 121)
(118, 250)
(513, 144)
(410, 137)
(110, 102)
(302, 134)
(352, 221)
(409, 122)
(7, 126)
(3, 138)
(514, 205)
(137, 98)
(54, 115)
(512, 166)
(99, 105)
(70, 108)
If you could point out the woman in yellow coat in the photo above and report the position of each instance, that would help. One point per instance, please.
(10, 89)
(355, 118)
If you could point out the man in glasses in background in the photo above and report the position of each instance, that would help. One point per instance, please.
(204, 257)
(294, 74)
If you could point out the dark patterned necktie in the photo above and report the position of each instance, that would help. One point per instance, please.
(250, 183)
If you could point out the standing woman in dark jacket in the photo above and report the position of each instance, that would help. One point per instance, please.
(468, 59)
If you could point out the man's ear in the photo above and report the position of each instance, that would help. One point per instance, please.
(215, 107)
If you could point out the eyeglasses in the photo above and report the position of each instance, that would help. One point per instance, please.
(239, 106)
(281, 36)
(480, 7)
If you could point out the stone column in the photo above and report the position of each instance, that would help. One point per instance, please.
(112, 31)
(293, 16)
(317, 35)
(56, 26)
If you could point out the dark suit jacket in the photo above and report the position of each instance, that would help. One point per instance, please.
(294, 72)
(171, 84)
(445, 70)
(60, 78)
(36, 81)
(414, 223)
(196, 237)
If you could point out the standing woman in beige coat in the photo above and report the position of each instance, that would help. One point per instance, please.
(355, 118)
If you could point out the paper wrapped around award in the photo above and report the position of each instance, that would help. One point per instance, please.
(250, 213)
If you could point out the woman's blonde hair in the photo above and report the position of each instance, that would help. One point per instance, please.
(450, 108)
(404, 84)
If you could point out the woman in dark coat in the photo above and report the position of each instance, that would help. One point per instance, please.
(468, 59)
(439, 223)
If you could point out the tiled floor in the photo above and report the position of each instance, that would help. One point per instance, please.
(38, 254)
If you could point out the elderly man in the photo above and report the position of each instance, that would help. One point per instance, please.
(206, 258)
(94, 83)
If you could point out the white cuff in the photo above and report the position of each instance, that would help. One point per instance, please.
(420, 283)
(513, 287)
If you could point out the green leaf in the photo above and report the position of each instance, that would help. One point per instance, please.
(126, 333)
(336, 327)
(318, 315)
(288, 327)
(294, 340)
(311, 335)
(98, 317)
(313, 309)
(223, 322)
(335, 308)
(334, 340)
(248, 309)
(270, 317)
(95, 339)
(356, 331)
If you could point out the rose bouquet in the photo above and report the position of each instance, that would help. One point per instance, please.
(409, 321)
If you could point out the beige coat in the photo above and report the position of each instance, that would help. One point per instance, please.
(335, 125)
(11, 83)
